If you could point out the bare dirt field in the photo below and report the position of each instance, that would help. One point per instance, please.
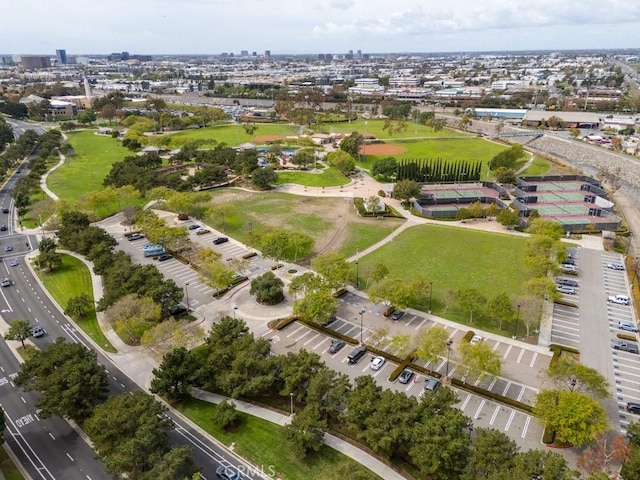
(381, 149)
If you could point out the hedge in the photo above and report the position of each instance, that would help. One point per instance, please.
(566, 303)
(338, 293)
(388, 311)
(468, 336)
(283, 322)
(402, 365)
(624, 336)
(557, 351)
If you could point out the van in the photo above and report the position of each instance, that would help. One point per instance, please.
(355, 356)
(567, 282)
(152, 250)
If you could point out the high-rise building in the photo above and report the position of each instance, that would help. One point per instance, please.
(267, 53)
(33, 62)
(61, 55)
(244, 53)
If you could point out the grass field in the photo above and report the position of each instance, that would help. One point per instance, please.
(540, 166)
(71, 280)
(232, 135)
(262, 443)
(330, 177)
(454, 258)
(84, 172)
(360, 236)
(375, 127)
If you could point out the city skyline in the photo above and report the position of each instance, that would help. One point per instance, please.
(336, 26)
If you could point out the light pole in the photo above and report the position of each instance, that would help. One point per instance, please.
(291, 397)
(449, 343)
(573, 383)
(224, 228)
(235, 307)
(515, 325)
(186, 292)
(357, 276)
(430, 295)
(361, 315)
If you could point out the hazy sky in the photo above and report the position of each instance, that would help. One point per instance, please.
(316, 26)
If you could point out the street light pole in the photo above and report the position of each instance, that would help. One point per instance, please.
(430, 295)
(449, 343)
(573, 383)
(224, 228)
(235, 307)
(361, 315)
(291, 397)
(186, 291)
(515, 325)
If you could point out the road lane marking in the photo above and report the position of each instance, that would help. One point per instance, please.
(295, 331)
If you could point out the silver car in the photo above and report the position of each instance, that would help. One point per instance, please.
(566, 289)
(628, 326)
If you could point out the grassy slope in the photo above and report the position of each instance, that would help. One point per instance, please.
(71, 280)
(331, 177)
(232, 135)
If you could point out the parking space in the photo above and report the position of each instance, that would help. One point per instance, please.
(565, 326)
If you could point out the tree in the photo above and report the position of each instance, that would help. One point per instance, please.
(362, 402)
(177, 463)
(176, 374)
(341, 160)
(333, 268)
(631, 467)
(2, 425)
(352, 144)
(605, 455)
(541, 464)
(471, 300)
(267, 289)
(281, 244)
(405, 190)
(567, 372)
(541, 287)
(316, 306)
(400, 343)
(297, 370)
(78, 306)
(88, 116)
(264, 178)
(129, 433)
(575, 132)
(108, 112)
(225, 414)
(492, 452)
(19, 330)
(132, 315)
(508, 217)
(48, 258)
(432, 343)
(385, 168)
(305, 433)
(391, 290)
(505, 175)
(545, 227)
(69, 378)
(304, 157)
(574, 417)
(500, 308)
(480, 360)
(530, 310)
(379, 272)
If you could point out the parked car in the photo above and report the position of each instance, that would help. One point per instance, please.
(567, 281)
(329, 321)
(619, 299)
(5, 282)
(569, 261)
(220, 240)
(406, 376)
(570, 269)
(476, 339)
(628, 326)
(164, 257)
(356, 354)
(227, 473)
(625, 346)
(8, 248)
(202, 230)
(5, 210)
(566, 289)
(13, 262)
(135, 236)
(37, 331)
(615, 266)
(193, 226)
(276, 266)
(431, 386)
(178, 310)
(633, 407)
(3, 228)
(336, 346)
(377, 363)
(397, 315)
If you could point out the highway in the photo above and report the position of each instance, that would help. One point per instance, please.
(50, 448)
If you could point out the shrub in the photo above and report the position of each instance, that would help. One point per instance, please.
(381, 194)
(267, 289)
(468, 336)
(624, 336)
(283, 322)
(389, 310)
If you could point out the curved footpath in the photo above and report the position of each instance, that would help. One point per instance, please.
(137, 363)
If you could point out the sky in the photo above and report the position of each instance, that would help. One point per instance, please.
(315, 26)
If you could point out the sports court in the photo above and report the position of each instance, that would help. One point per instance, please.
(444, 200)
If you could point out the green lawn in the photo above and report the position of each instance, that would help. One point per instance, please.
(71, 280)
(375, 127)
(84, 172)
(454, 258)
(8, 468)
(363, 235)
(262, 443)
(230, 134)
(330, 177)
(540, 166)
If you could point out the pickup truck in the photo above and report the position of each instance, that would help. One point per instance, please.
(619, 299)
(625, 346)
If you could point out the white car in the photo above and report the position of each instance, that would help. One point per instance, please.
(5, 282)
(566, 289)
(475, 339)
(377, 363)
(628, 326)
(619, 299)
(615, 266)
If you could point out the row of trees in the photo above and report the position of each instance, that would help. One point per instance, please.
(438, 170)
(431, 434)
(128, 431)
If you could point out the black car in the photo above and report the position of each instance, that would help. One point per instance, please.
(633, 407)
(397, 315)
(3, 228)
(220, 240)
(164, 257)
(329, 321)
(5, 210)
(406, 376)
(336, 346)
(178, 310)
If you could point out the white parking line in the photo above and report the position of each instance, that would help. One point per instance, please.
(311, 339)
(495, 347)
(491, 385)
(495, 414)
(421, 324)
(526, 426)
(520, 356)
(477, 415)
(296, 331)
(320, 343)
(466, 401)
(506, 389)
(521, 394)
(513, 414)
(533, 360)
(506, 354)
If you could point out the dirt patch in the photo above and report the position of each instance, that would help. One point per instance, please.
(381, 149)
(267, 138)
